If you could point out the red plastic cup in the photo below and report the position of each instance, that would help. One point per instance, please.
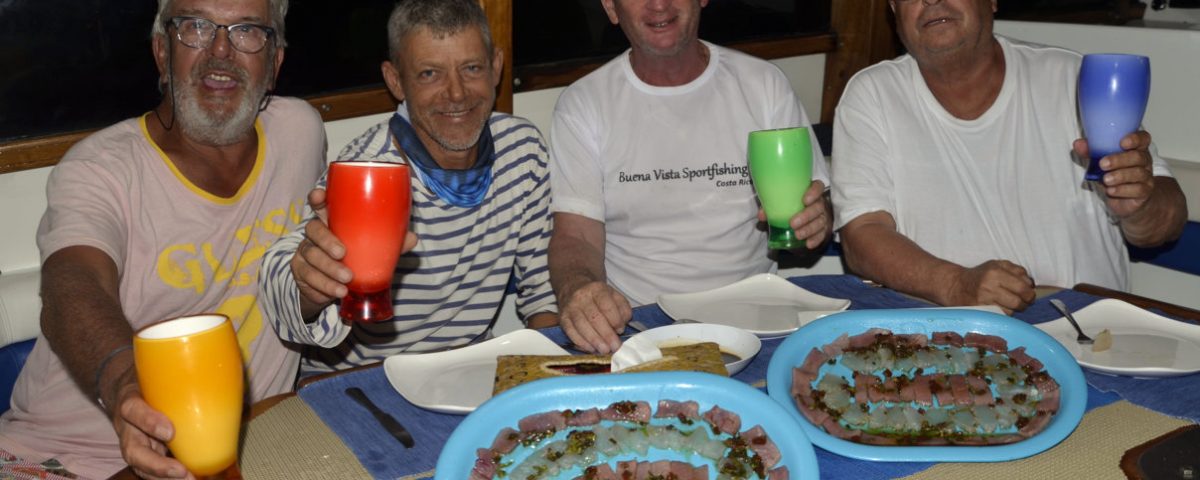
(369, 204)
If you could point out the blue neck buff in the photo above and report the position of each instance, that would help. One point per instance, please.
(461, 188)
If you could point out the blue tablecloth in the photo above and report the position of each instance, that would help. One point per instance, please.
(383, 457)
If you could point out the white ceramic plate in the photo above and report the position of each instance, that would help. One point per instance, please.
(1144, 344)
(457, 381)
(733, 341)
(765, 305)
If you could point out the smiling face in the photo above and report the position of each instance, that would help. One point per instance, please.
(657, 27)
(448, 83)
(217, 90)
(943, 28)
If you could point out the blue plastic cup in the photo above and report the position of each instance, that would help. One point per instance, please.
(1113, 91)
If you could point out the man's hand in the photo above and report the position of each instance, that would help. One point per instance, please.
(1129, 175)
(592, 315)
(995, 282)
(143, 432)
(317, 266)
(813, 225)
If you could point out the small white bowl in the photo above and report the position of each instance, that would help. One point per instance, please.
(733, 341)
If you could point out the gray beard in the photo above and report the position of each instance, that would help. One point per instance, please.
(213, 128)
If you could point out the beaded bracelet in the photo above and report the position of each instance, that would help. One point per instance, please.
(100, 372)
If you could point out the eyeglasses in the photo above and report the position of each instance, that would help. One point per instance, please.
(198, 32)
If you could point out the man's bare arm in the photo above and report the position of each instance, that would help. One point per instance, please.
(1161, 219)
(874, 250)
(83, 322)
(1152, 210)
(590, 311)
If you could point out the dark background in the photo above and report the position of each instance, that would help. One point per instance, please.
(70, 65)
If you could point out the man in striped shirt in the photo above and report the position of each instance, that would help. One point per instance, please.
(480, 206)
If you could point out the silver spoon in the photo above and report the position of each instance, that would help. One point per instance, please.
(1062, 308)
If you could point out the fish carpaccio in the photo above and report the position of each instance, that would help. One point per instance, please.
(882, 388)
(626, 431)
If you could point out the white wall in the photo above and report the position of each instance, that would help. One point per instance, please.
(1174, 61)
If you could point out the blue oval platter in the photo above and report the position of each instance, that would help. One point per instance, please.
(1058, 363)
(585, 391)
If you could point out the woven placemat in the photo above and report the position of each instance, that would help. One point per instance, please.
(289, 441)
(1093, 451)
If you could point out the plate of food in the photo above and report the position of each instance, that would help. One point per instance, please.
(663, 423)
(457, 381)
(1129, 340)
(738, 347)
(765, 304)
(928, 385)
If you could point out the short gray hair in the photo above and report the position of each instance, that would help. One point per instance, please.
(278, 10)
(441, 17)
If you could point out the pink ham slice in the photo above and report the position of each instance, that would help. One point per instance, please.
(947, 338)
(915, 340)
(939, 385)
(862, 384)
(684, 411)
(762, 445)
(1026, 362)
(868, 338)
(485, 465)
(780, 473)
(890, 390)
(582, 418)
(723, 421)
(506, 441)
(627, 411)
(991, 343)
(801, 383)
(920, 390)
(980, 391)
(812, 363)
(627, 469)
(541, 422)
(962, 393)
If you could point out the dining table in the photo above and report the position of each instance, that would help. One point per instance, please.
(317, 432)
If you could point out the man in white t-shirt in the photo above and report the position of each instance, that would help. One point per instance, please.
(161, 216)
(651, 188)
(955, 175)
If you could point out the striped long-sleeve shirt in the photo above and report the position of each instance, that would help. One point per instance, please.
(448, 289)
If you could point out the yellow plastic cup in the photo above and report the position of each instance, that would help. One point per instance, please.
(190, 369)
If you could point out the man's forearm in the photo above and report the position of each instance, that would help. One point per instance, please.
(82, 318)
(1161, 219)
(882, 255)
(573, 263)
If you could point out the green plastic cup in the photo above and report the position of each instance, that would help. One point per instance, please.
(781, 167)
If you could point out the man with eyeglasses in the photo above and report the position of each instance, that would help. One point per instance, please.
(162, 216)
(955, 176)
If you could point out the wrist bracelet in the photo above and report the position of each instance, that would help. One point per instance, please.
(100, 372)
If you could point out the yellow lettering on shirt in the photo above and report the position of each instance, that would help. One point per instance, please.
(183, 273)
(198, 268)
(243, 311)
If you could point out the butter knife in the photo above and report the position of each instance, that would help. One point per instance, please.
(385, 419)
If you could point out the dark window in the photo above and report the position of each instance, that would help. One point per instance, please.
(70, 65)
